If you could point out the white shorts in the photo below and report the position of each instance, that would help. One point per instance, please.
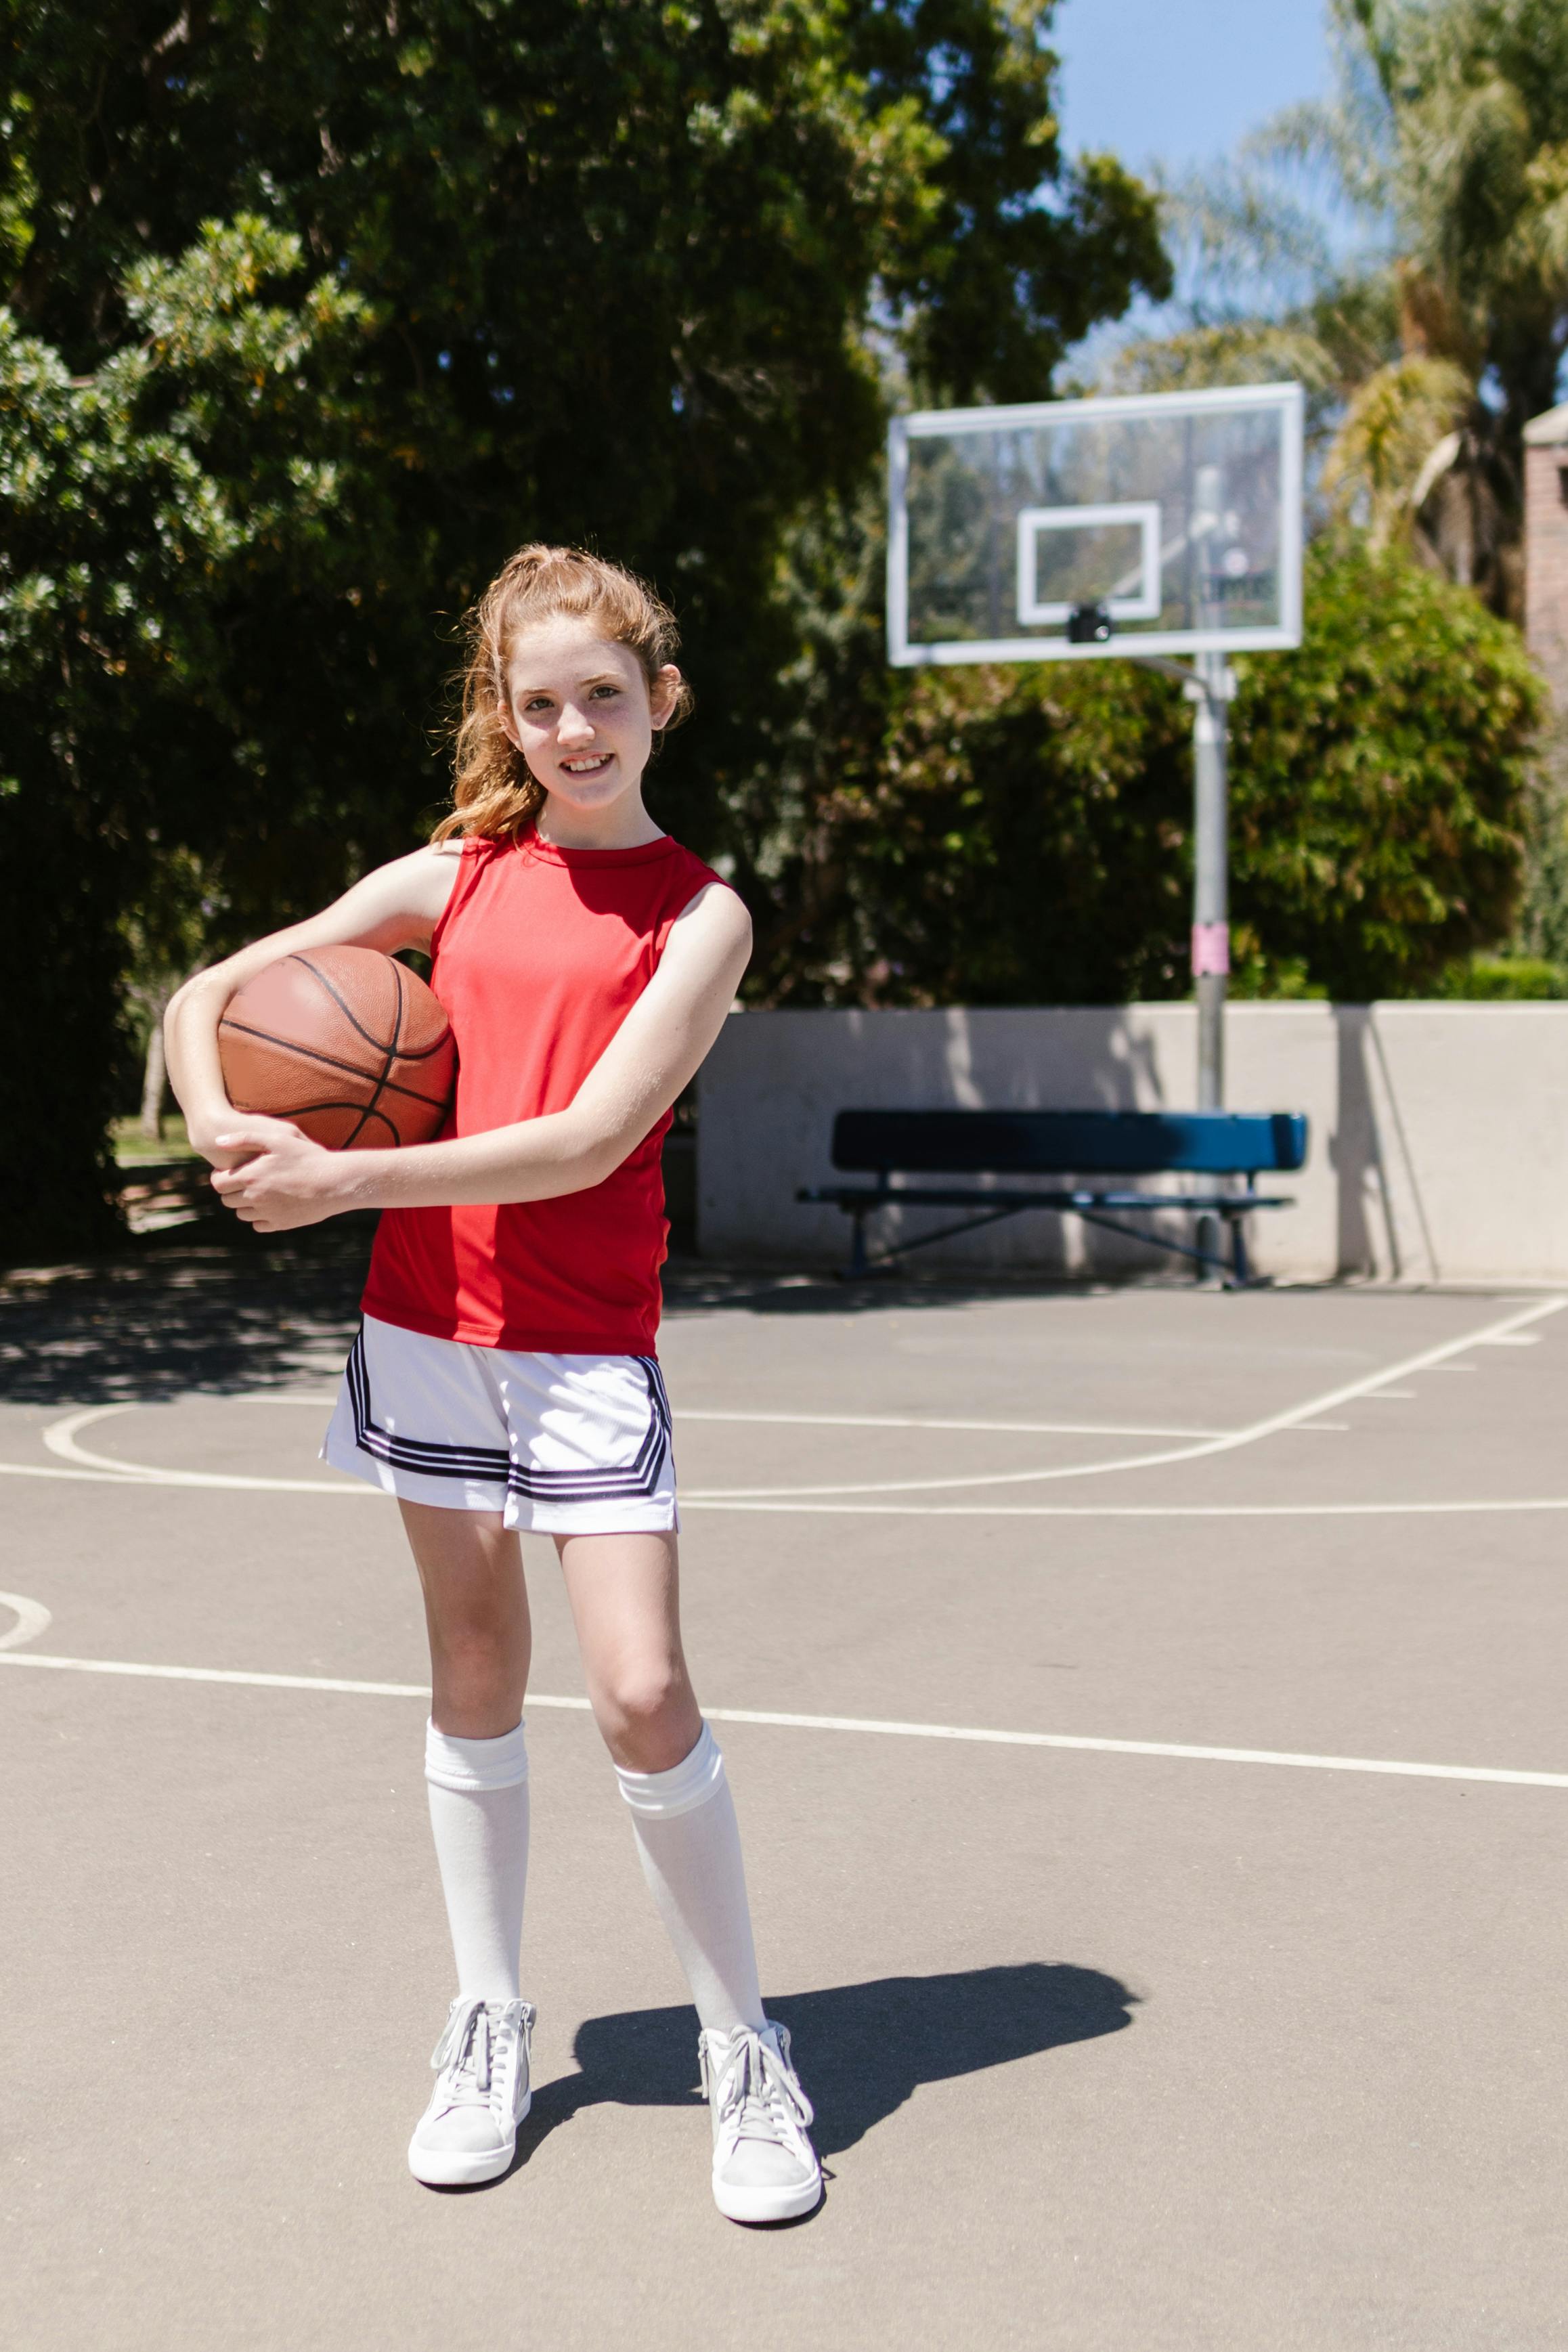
(565, 1444)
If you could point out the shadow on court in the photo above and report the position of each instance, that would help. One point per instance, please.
(863, 2049)
(167, 1321)
(234, 1312)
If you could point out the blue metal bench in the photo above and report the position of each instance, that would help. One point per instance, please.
(1091, 1145)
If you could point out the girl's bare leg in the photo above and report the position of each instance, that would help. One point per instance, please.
(625, 1595)
(476, 1611)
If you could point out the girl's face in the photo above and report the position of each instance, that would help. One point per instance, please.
(579, 709)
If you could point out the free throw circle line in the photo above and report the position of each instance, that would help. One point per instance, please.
(60, 1438)
(1227, 1444)
(32, 1619)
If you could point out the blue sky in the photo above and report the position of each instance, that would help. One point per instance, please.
(1180, 81)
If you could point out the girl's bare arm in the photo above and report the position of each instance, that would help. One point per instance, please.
(655, 1053)
(398, 906)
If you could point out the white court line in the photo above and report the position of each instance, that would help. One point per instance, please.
(146, 1477)
(1499, 1333)
(85, 1477)
(60, 1438)
(32, 1619)
(1136, 1510)
(329, 1396)
(890, 1421)
(870, 1726)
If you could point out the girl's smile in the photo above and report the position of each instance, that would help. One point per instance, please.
(579, 708)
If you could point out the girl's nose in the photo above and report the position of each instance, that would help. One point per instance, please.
(575, 726)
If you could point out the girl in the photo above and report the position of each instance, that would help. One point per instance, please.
(505, 1376)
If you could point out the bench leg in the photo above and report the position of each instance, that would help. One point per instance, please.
(1240, 1265)
(1207, 1256)
(862, 1263)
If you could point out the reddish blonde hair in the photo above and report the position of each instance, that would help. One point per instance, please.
(495, 793)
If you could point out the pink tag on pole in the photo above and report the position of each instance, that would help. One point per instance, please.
(1211, 949)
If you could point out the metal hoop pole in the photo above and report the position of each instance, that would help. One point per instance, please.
(1210, 691)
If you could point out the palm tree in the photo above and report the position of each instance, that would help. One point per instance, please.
(1448, 136)
(1467, 102)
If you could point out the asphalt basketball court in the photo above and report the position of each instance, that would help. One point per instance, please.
(1145, 1710)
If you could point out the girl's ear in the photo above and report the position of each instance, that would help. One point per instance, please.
(509, 725)
(662, 696)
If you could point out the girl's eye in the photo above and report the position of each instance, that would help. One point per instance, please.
(537, 702)
(601, 691)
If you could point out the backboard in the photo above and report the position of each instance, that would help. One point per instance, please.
(1178, 513)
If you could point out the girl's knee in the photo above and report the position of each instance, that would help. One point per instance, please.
(643, 1696)
(648, 1716)
(476, 1672)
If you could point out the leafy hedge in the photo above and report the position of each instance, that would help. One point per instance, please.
(156, 510)
(1379, 779)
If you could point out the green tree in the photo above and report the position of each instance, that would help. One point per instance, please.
(1453, 119)
(625, 253)
(153, 508)
(630, 272)
(1382, 777)
(1424, 354)
(996, 284)
(1447, 135)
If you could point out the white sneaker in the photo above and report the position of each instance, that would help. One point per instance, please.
(469, 2131)
(764, 2168)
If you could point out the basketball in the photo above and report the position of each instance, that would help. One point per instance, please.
(347, 1043)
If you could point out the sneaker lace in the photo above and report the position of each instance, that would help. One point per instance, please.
(466, 2053)
(759, 2092)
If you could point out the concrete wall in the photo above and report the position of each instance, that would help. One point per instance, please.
(1439, 1132)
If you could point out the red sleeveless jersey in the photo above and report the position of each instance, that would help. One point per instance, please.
(538, 958)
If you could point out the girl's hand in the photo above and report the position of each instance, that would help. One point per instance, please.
(202, 1134)
(282, 1178)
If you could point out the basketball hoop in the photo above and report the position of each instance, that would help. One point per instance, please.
(1138, 529)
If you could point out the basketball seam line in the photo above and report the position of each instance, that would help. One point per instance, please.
(297, 956)
(370, 1110)
(329, 1061)
(311, 1109)
(344, 1007)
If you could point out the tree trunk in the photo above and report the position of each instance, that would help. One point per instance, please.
(155, 1079)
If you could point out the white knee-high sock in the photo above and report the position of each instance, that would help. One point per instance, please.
(478, 1814)
(689, 1845)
